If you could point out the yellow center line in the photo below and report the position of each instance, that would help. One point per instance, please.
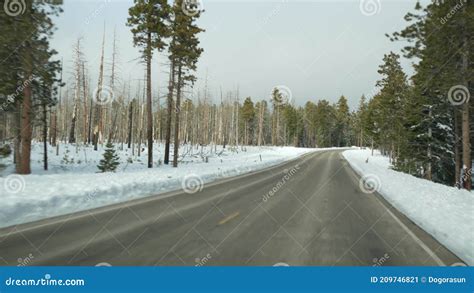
(228, 218)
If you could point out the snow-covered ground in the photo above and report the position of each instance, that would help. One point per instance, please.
(72, 183)
(445, 212)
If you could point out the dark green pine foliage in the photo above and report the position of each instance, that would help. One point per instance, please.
(28, 75)
(342, 133)
(294, 125)
(28, 60)
(184, 46)
(393, 93)
(184, 54)
(360, 123)
(149, 21)
(437, 34)
(110, 162)
(248, 116)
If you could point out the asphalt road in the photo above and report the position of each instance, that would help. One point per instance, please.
(316, 214)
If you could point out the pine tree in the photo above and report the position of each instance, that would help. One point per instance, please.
(248, 115)
(110, 162)
(28, 72)
(361, 122)
(342, 123)
(386, 110)
(291, 120)
(184, 54)
(325, 121)
(439, 129)
(149, 21)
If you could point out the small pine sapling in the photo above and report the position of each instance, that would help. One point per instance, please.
(110, 161)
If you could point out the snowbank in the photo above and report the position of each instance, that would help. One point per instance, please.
(72, 183)
(445, 212)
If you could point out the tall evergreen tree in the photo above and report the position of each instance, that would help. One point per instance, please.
(248, 115)
(441, 39)
(342, 124)
(28, 74)
(149, 24)
(184, 53)
(361, 122)
(386, 109)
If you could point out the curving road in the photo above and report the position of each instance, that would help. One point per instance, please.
(309, 211)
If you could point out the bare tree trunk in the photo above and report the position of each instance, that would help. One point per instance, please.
(457, 148)
(260, 123)
(72, 136)
(112, 86)
(130, 124)
(169, 113)
(466, 154)
(77, 74)
(237, 119)
(98, 93)
(45, 137)
(86, 111)
(89, 126)
(274, 123)
(176, 123)
(221, 122)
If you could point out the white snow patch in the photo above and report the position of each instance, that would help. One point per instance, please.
(445, 212)
(72, 184)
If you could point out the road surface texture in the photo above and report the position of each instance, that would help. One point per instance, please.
(315, 214)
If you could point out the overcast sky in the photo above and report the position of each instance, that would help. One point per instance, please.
(318, 49)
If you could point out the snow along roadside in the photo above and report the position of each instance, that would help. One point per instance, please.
(444, 212)
(35, 197)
